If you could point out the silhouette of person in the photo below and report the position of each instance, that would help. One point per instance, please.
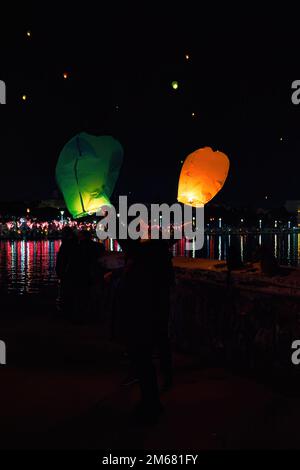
(234, 260)
(142, 305)
(64, 269)
(160, 262)
(268, 262)
(88, 275)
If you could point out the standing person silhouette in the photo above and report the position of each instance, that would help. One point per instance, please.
(142, 305)
(88, 273)
(64, 270)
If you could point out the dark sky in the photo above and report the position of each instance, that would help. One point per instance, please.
(237, 81)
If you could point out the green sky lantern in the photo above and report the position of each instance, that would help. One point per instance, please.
(86, 172)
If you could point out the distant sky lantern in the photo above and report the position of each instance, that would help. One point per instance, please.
(86, 172)
(187, 56)
(175, 85)
(28, 34)
(65, 75)
(24, 97)
(203, 175)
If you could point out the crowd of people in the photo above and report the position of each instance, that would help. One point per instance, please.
(139, 308)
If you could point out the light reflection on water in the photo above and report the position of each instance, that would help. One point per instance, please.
(285, 247)
(29, 267)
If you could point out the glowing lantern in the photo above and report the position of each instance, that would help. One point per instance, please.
(175, 85)
(203, 174)
(86, 172)
(65, 75)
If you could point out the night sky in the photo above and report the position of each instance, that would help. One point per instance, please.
(120, 64)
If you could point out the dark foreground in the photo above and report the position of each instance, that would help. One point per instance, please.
(62, 389)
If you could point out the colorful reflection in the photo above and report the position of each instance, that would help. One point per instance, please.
(28, 267)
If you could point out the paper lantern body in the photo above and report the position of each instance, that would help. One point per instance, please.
(203, 174)
(86, 172)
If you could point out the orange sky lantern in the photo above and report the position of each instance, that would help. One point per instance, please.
(203, 175)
